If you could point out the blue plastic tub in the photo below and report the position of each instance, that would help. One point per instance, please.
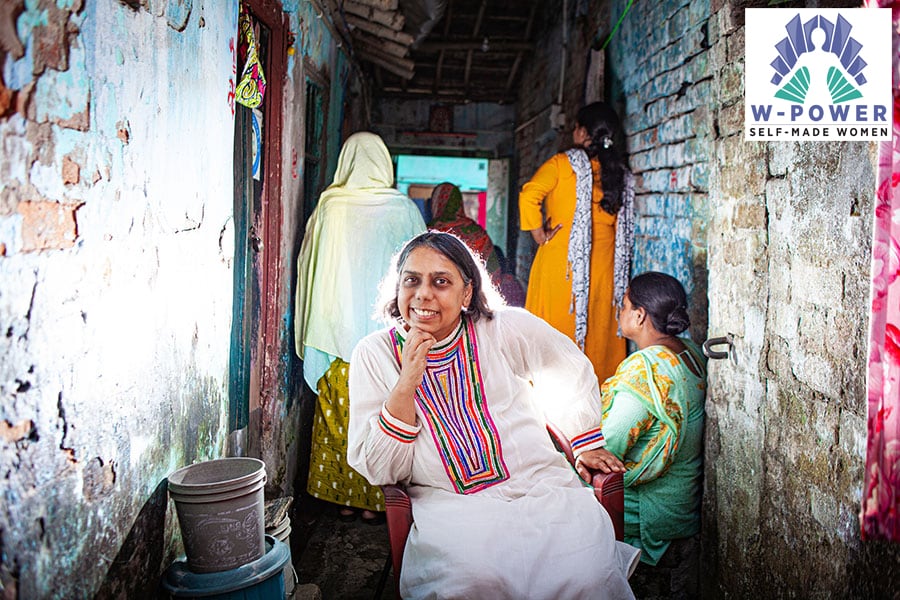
(262, 579)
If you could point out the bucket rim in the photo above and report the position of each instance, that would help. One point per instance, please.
(207, 497)
(279, 527)
(176, 478)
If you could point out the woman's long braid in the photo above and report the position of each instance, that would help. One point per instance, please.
(602, 125)
(612, 173)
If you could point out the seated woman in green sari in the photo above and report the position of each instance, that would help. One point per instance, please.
(653, 416)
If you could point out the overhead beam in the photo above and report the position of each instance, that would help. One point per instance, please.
(402, 67)
(527, 35)
(380, 30)
(458, 95)
(389, 18)
(448, 18)
(381, 4)
(388, 46)
(475, 32)
(437, 46)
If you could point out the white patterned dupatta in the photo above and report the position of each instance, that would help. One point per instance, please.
(579, 258)
(624, 241)
(579, 265)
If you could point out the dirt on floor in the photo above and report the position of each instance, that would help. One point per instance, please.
(338, 560)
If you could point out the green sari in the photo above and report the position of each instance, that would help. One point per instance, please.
(653, 420)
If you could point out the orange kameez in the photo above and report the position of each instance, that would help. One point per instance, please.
(549, 289)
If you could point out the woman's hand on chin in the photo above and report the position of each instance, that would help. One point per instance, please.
(415, 355)
(402, 401)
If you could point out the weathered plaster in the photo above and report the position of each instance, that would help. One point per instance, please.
(115, 347)
(789, 251)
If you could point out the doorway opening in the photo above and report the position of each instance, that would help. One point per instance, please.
(484, 184)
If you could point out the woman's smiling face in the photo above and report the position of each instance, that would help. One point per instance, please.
(432, 292)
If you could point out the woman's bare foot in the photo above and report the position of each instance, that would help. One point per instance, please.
(372, 518)
(347, 514)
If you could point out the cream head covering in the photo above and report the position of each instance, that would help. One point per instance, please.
(360, 221)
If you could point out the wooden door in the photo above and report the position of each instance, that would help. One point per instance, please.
(258, 219)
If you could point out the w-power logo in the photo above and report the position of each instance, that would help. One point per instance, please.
(817, 74)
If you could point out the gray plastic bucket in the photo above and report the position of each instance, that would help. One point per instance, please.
(220, 505)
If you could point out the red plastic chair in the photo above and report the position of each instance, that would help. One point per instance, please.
(608, 488)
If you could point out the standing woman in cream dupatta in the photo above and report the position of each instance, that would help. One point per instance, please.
(360, 221)
(585, 237)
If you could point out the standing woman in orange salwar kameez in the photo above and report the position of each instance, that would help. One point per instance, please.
(585, 237)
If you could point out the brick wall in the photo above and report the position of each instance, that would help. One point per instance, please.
(773, 242)
(117, 254)
(660, 80)
(784, 232)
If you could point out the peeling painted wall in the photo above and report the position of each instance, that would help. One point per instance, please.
(661, 83)
(116, 142)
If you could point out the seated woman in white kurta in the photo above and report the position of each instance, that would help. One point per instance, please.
(447, 400)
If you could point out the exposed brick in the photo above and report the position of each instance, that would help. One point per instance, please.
(731, 83)
(699, 11)
(678, 24)
(749, 216)
(48, 225)
(699, 176)
(6, 98)
(699, 67)
(71, 171)
(50, 43)
(735, 46)
(9, 38)
(731, 119)
(79, 121)
(123, 132)
(23, 99)
(16, 433)
(677, 129)
(643, 140)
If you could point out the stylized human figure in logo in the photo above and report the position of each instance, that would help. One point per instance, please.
(802, 85)
(818, 51)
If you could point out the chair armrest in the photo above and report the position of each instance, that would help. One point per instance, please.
(609, 488)
(398, 514)
(561, 442)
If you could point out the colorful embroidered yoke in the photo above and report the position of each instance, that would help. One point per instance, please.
(452, 398)
(470, 545)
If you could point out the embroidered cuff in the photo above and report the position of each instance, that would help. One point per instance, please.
(589, 440)
(397, 429)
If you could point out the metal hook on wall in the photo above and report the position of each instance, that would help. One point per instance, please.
(718, 354)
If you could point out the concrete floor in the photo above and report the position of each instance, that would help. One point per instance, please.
(335, 560)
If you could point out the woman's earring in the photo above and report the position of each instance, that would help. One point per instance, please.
(465, 308)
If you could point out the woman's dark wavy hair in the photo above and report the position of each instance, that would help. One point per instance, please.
(664, 299)
(603, 127)
(456, 251)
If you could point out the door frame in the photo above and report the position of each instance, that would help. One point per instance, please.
(257, 397)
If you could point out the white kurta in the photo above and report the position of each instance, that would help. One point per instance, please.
(520, 524)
